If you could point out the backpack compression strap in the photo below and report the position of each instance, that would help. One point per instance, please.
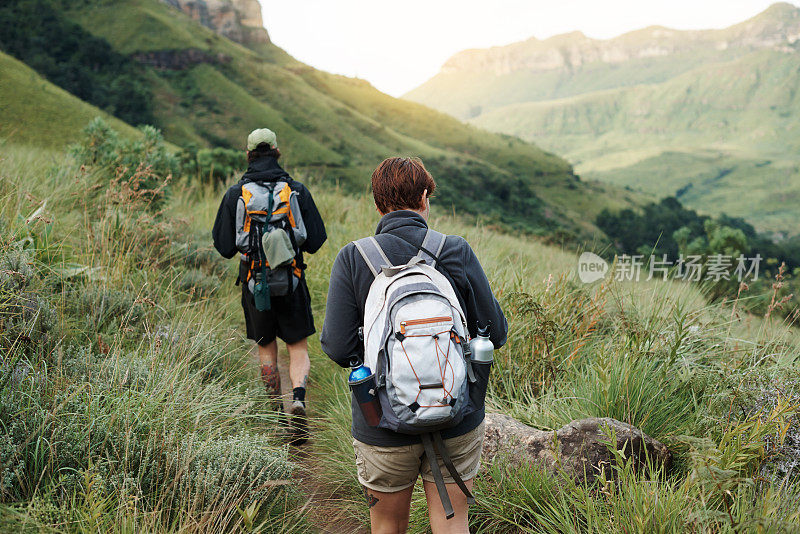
(373, 254)
(434, 445)
(431, 247)
(438, 442)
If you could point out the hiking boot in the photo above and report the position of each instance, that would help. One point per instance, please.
(298, 423)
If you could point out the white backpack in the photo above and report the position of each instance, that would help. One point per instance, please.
(416, 342)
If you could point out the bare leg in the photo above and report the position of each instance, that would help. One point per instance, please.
(299, 364)
(268, 358)
(268, 354)
(388, 512)
(439, 522)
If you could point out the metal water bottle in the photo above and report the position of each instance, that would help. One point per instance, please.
(362, 384)
(481, 346)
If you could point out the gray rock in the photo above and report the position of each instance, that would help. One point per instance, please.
(578, 450)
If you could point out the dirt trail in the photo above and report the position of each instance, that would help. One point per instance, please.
(324, 510)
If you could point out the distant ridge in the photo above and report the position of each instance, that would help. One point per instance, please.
(712, 116)
(566, 59)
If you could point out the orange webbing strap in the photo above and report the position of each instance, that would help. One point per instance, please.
(298, 272)
(285, 195)
(246, 196)
(250, 270)
(253, 268)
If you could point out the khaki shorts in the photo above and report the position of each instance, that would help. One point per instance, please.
(391, 469)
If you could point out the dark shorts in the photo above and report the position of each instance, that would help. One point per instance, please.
(290, 317)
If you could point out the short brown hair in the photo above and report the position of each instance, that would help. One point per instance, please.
(398, 184)
(263, 150)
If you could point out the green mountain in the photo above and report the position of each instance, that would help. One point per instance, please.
(206, 89)
(29, 104)
(708, 116)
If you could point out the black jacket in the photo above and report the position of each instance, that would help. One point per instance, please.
(267, 169)
(347, 296)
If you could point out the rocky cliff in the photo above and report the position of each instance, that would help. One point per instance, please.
(238, 20)
(776, 28)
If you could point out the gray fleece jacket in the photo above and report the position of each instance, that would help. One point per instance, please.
(347, 295)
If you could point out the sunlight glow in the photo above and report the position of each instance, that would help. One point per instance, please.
(399, 45)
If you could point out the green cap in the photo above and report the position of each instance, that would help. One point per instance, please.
(262, 135)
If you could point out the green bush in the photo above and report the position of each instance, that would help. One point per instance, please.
(215, 165)
(25, 314)
(136, 172)
(105, 310)
(244, 468)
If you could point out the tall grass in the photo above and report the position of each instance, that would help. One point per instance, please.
(129, 402)
(653, 354)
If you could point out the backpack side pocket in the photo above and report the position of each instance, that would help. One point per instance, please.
(477, 389)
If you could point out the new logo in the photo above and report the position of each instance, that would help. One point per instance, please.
(591, 267)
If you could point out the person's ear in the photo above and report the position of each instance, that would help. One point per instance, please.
(424, 200)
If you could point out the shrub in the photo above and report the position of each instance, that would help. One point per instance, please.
(25, 313)
(215, 165)
(198, 283)
(141, 167)
(105, 310)
(234, 470)
(191, 254)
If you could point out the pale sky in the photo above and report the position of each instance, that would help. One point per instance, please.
(398, 45)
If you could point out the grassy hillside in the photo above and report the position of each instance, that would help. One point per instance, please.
(128, 402)
(467, 94)
(709, 116)
(125, 400)
(732, 151)
(208, 91)
(36, 112)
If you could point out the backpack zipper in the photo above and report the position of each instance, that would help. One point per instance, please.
(416, 322)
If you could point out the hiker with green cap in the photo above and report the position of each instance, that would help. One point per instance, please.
(270, 220)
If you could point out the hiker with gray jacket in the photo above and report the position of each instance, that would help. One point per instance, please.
(391, 455)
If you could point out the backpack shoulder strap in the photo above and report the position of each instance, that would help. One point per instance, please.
(373, 254)
(431, 247)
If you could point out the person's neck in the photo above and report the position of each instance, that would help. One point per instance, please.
(424, 214)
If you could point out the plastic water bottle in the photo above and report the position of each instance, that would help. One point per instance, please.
(362, 384)
(481, 346)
